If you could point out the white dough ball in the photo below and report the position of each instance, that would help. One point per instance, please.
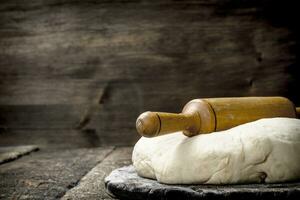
(267, 150)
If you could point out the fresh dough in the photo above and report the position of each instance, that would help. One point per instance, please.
(267, 150)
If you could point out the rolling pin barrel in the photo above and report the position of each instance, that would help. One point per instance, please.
(214, 114)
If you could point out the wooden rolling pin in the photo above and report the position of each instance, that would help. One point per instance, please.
(214, 114)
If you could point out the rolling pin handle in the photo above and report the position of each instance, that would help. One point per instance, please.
(298, 112)
(151, 124)
(148, 124)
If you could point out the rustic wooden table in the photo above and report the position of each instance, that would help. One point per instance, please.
(66, 174)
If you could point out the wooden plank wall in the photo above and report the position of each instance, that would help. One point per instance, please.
(77, 73)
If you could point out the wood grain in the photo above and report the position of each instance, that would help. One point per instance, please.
(141, 55)
(48, 174)
(92, 185)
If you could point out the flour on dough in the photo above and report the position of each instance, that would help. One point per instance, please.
(267, 150)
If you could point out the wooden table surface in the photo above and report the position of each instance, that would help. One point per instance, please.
(66, 174)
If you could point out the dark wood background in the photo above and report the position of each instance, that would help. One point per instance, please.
(77, 73)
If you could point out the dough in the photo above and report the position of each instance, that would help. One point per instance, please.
(267, 150)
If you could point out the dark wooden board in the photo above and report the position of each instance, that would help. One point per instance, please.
(70, 139)
(142, 55)
(11, 153)
(124, 183)
(91, 185)
(50, 91)
(48, 174)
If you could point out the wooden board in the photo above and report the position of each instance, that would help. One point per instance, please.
(62, 139)
(10, 153)
(91, 185)
(48, 174)
(143, 55)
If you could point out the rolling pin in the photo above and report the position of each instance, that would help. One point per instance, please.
(214, 114)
